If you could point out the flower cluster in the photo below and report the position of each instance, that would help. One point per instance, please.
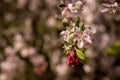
(72, 8)
(113, 7)
(77, 35)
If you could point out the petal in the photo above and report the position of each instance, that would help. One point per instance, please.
(104, 10)
(80, 44)
(78, 4)
(70, 6)
(88, 39)
(63, 33)
(107, 5)
(67, 39)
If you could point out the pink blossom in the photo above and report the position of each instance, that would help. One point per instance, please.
(81, 38)
(110, 7)
(85, 39)
(65, 35)
(72, 9)
(66, 12)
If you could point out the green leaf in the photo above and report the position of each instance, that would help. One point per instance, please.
(114, 49)
(80, 54)
(66, 43)
(62, 5)
(77, 21)
(71, 40)
(65, 22)
(71, 33)
(116, 44)
(109, 51)
(82, 27)
(66, 52)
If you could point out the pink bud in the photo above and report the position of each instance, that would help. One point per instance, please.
(72, 60)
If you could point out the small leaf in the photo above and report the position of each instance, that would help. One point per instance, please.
(65, 22)
(62, 5)
(116, 44)
(66, 52)
(66, 43)
(82, 27)
(80, 54)
(109, 51)
(77, 21)
(72, 40)
(71, 33)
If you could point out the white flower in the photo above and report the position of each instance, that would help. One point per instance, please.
(72, 8)
(65, 35)
(66, 12)
(80, 38)
(112, 8)
(85, 38)
(75, 32)
(79, 4)
(84, 42)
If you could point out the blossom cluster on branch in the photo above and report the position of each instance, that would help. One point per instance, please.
(111, 7)
(77, 35)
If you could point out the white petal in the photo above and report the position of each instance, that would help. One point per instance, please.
(80, 44)
(104, 10)
(63, 33)
(88, 39)
(73, 29)
(93, 30)
(66, 38)
(70, 6)
(78, 4)
(115, 4)
(63, 13)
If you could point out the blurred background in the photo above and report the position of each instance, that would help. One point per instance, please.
(31, 49)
